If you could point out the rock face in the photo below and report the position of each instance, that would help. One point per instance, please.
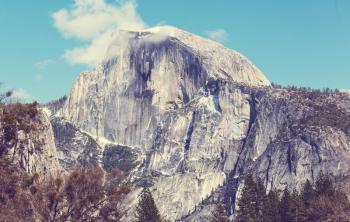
(188, 118)
(73, 145)
(148, 75)
(306, 133)
(296, 134)
(27, 133)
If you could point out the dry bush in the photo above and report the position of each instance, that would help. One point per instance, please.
(15, 118)
(15, 196)
(86, 194)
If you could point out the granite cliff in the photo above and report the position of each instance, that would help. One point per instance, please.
(189, 118)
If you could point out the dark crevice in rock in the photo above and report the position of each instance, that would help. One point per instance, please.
(253, 113)
(185, 97)
(213, 88)
(217, 103)
(189, 135)
(315, 147)
(267, 176)
(291, 158)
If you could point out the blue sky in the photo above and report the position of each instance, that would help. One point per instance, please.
(303, 43)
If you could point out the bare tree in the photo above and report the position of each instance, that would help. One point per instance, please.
(15, 197)
(86, 194)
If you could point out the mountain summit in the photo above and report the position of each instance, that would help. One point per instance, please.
(147, 74)
(188, 118)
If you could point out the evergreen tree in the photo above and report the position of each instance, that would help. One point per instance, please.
(261, 198)
(325, 202)
(297, 207)
(220, 214)
(271, 207)
(307, 196)
(285, 208)
(307, 193)
(247, 204)
(324, 185)
(147, 209)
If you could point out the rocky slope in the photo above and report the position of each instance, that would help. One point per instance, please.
(188, 118)
(27, 139)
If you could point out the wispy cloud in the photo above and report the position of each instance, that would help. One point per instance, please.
(94, 22)
(21, 95)
(219, 35)
(345, 90)
(41, 65)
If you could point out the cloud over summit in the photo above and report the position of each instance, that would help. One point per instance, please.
(94, 22)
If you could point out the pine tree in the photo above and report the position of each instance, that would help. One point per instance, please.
(147, 209)
(307, 193)
(307, 196)
(261, 198)
(271, 207)
(219, 214)
(324, 185)
(248, 202)
(325, 202)
(285, 208)
(297, 207)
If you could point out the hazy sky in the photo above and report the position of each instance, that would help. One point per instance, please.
(44, 44)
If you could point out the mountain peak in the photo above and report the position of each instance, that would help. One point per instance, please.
(218, 60)
(164, 29)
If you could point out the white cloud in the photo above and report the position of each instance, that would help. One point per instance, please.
(41, 65)
(21, 95)
(94, 22)
(219, 35)
(345, 90)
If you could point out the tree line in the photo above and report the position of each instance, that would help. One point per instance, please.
(321, 201)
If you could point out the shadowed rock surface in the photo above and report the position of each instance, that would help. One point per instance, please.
(121, 157)
(74, 146)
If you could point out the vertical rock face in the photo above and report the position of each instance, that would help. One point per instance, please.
(41, 158)
(44, 161)
(147, 76)
(188, 118)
